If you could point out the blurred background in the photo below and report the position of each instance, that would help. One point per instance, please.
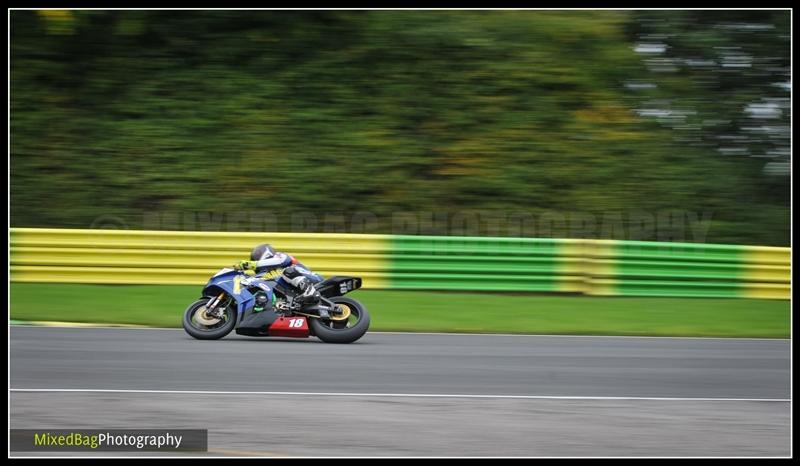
(552, 129)
(129, 113)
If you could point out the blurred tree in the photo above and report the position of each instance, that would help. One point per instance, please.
(721, 81)
(125, 113)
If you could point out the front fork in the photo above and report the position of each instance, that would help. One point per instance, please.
(211, 308)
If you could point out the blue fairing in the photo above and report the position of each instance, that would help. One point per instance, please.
(224, 280)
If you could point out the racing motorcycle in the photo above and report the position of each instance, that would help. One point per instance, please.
(267, 306)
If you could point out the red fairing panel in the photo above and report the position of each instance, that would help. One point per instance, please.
(295, 326)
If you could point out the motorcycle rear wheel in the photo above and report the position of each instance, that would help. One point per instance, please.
(332, 331)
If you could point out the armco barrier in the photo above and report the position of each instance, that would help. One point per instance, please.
(594, 267)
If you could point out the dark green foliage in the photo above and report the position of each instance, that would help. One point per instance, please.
(129, 113)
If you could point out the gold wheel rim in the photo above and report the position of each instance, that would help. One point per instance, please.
(345, 312)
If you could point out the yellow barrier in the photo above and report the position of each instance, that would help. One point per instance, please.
(293, 243)
(165, 257)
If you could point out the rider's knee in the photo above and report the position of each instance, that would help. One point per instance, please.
(291, 272)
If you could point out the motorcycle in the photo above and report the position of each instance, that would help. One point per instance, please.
(266, 306)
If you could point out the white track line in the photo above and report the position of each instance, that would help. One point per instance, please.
(111, 327)
(577, 336)
(392, 395)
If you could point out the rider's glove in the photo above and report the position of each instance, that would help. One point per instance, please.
(245, 265)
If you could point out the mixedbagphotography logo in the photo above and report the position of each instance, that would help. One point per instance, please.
(109, 440)
(676, 225)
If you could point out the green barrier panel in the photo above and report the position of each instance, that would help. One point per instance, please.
(700, 289)
(472, 263)
(691, 252)
(679, 270)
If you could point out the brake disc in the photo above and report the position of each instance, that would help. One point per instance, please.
(203, 318)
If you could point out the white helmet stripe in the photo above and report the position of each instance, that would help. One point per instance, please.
(274, 260)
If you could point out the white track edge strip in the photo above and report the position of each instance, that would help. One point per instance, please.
(392, 395)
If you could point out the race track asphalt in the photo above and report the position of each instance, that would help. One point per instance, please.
(630, 396)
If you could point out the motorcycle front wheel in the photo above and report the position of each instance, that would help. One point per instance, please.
(204, 327)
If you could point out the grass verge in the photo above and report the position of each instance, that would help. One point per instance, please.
(412, 311)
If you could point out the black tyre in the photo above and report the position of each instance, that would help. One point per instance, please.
(343, 331)
(208, 328)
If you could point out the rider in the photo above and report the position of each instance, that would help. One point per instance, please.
(266, 261)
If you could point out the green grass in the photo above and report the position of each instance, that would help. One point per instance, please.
(162, 306)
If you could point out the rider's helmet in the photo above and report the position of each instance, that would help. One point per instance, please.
(261, 252)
